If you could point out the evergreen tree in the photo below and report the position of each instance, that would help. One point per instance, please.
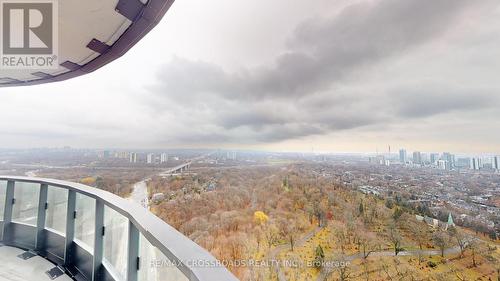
(319, 258)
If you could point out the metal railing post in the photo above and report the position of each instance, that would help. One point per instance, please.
(70, 228)
(98, 240)
(9, 202)
(133, 252)
(40, 225)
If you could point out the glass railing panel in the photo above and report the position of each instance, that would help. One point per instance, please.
(25, 209)
(3, 191)
(57, 203)
(115, 243)
(154, 265)
(85, 222)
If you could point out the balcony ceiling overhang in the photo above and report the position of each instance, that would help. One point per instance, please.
(91, 34)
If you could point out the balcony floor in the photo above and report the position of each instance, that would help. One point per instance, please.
(13, 268)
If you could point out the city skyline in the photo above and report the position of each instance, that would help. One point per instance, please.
(157, 151)
(280, 84)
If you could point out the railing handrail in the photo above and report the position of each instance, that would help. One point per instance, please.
(195, 262)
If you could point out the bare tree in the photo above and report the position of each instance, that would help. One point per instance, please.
(236, 246)
(259, 234)
(344, 273)
(366, 270)
(439, 239)
(395, 238)
(340, 233)
(320, 214)
(420, 233)
(385, 268)
(367, 241)
(473, 246)
(271, 233)
(350, 223)
(288, 230)
(343, 269)
(461, 238)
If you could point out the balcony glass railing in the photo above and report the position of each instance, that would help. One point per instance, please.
(95, 235)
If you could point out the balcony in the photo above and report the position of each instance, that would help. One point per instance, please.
(54, 227)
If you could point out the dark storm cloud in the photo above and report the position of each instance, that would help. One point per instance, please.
(322, 50)
(203, 138)
(287, 131)
(253, 118)
(415, 103)
(275, 102)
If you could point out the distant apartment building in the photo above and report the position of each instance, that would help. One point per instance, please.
(488, 166)
(417, 157)
(122, 155)
(443, 165)
(231, 155)
(449, 157)
(496, 162)
(163, 158)
(434, 158)
(475, 163)
(425, 158)
(150, 158)
(402, 156)
(133, 157)
(463, 162)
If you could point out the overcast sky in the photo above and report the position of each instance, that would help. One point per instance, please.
(285, 75)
